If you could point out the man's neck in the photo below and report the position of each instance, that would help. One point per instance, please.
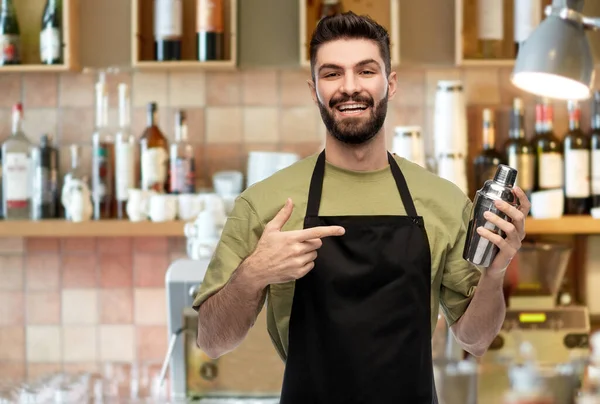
(365, 157)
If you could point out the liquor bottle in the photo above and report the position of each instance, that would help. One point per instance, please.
(154, 154)
(103, 158)
(168, 29)
(16, 161)
(44, 199)
(549, 165)
(210, 31)
(487, 161)
(595, 150)
(527, 16)
(51, 51)
(490, 28)
(183, 167)
(576, 146)
(519, 153)
(76, 172)
(330, 8)
(125, 153)
(10, 34)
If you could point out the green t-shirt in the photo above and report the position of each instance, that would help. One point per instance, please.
(444, 207)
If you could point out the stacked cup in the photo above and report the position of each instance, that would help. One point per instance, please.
(450, 132)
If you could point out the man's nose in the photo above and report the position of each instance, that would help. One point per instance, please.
(350, 85)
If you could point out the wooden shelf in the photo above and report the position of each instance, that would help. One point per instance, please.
(29, 15)
(102, 228)
(142, 38)
(466, 40)
(386, 13)
(565, 225)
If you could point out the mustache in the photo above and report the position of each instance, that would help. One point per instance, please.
(363, 99)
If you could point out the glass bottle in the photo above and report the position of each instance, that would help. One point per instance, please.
(125, 153)
(154, 154)
(51, 50)
(595, 150)
(549, 165)
(576, 146)
(76, 172)
(44, 198)
(183, 167)
(10, 34)
(489, 158)
(519, 153)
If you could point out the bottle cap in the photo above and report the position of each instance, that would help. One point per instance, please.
(152, 107)
(517, 103)
(505, 175)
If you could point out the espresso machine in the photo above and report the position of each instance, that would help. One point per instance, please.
(557, 331)
(253, 372)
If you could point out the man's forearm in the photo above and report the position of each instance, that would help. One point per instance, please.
(483, 319)
(225, 318)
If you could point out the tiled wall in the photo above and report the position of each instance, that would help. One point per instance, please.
(76, 303)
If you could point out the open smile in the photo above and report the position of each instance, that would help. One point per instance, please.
(352, 109)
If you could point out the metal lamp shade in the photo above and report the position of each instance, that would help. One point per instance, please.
(556, 61)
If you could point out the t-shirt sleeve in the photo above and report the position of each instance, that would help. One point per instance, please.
(460, 277)
(240, 235)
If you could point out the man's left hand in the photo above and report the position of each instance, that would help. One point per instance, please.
(515, 231)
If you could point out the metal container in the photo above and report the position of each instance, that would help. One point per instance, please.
(478, 250)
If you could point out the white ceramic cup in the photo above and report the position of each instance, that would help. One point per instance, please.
(135, 202)
(189, 205)
(548, 204)
(227, 183)
(160, 207)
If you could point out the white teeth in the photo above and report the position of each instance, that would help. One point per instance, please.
(352, 106)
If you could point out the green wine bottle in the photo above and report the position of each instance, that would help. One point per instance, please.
(10, 35)
(51, 49)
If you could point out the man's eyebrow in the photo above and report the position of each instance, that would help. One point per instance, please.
(359, 64)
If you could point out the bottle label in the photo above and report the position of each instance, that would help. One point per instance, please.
(595, 172)
(9, 44)
(154, 167)
(183, 176)
(528, 14)
(102, 172)
(524, 164)
(168, 19)
(550, 171)
(44, 185)
(125, 172)
(490, 19)
(50, 44)
(210, 16)
(577, 173)
(16, 177)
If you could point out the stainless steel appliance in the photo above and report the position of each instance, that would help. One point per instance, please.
(559, 334)
(253, 370)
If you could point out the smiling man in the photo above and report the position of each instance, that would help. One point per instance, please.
(354, 249)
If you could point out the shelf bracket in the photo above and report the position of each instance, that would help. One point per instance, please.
(590, 23)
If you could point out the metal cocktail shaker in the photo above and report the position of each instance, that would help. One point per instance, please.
(478, 250)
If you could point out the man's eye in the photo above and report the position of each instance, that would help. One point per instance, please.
(367, 72)
(331, 74)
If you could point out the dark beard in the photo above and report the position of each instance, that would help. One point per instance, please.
(352, 130)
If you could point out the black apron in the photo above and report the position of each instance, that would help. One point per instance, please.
(360, 325)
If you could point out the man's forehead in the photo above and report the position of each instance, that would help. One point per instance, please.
(348, 52)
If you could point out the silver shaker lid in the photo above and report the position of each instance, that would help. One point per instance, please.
(505, 175)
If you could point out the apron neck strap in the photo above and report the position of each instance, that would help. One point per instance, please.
(316, 187)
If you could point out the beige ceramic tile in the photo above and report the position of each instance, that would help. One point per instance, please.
(11, 272)
(117, 343)
(224, 125)
(79, 271)
(40, 90)
(299, 125)
(116, 270)
(10, 90)
(149, 269)
(42, 272)
(260, 87)
(12, 344)
(115, 245)
(79, 306)
(43, 343)
(87, 244)
(5, 123)
(411, 87)
(12, 308)
(150, 306)
(150, 87)
(40, 122)
(196, 123)
(76, 90)
(37, 370)
(42, 244)
(481, 86)
(261, 124)
(151, 244)
(187, 89)
(43, 308)
(432, 76)
(151, 343)
(79, 343)
(223, 88)
(12, 245)
(294, 88)
(116, 306)
(112, 82)
(13, 372)
(76, 125)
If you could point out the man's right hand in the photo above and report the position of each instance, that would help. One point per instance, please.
(283, 256)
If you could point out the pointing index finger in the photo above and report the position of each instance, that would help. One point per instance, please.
(318, 232)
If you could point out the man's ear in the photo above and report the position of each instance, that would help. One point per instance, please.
(313, 91)
(392, 85)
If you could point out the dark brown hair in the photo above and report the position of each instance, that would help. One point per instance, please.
(350, 26)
